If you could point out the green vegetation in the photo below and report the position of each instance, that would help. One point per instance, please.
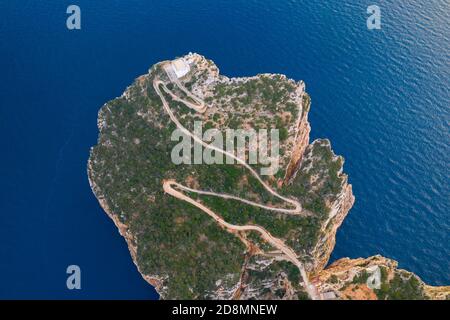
(361, 277)
(334, 279)
(401, 287)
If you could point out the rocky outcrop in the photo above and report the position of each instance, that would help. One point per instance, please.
(373, 278)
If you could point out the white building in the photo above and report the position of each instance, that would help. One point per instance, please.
(180, 67)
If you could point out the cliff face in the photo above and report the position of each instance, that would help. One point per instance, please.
(339, 210)
(300, 144)
(178, 248)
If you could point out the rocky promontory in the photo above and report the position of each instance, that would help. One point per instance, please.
(182, 251)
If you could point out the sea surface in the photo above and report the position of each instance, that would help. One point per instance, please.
(381, 96)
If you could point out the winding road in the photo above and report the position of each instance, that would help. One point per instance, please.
(170, 185)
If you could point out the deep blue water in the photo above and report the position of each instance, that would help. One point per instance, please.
(382, 98)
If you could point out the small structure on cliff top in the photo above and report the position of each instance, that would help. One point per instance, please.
(180, 67)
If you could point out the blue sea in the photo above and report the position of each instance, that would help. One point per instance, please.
(381, 96)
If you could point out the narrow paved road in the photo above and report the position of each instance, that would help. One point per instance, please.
(168, 185)
(296, 204)
(277, 243)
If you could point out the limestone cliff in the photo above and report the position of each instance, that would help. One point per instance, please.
(300, 143)
(325, 245)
